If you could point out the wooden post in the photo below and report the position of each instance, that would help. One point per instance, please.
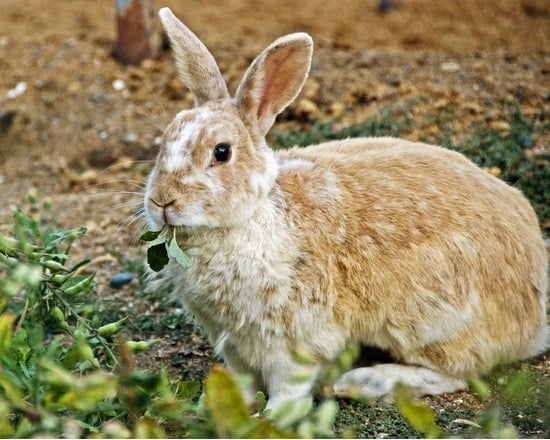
(138, 36)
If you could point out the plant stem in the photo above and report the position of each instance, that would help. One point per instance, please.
(23, 314)
(81, 320)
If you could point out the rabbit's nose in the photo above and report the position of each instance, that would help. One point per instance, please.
(164, 207)
(161, 203)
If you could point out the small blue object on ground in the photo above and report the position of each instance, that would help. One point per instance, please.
(119, 280)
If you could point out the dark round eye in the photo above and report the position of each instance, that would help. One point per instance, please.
(222, 152)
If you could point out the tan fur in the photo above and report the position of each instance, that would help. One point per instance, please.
(400, 245)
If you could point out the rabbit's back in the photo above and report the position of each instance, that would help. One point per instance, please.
(419, 251)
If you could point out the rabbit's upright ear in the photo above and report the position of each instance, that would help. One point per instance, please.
(196, 66)
(273, 80)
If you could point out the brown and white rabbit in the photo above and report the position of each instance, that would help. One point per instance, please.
(394, 244)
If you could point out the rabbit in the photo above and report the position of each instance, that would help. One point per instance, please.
(394, 244)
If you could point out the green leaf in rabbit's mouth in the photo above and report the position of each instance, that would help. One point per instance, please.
(161, 248)
(157, 256)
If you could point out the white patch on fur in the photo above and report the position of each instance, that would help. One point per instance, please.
(192, 215)
(177, 151)
(296, 166)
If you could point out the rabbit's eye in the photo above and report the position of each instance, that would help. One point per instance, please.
(222, 152)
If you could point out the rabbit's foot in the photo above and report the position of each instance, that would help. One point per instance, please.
(380, 380)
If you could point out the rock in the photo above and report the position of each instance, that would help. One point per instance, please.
(311, 89)
(472, 107)
(119, 84)
(495, 171)
(119, 280)
(18, 90)
(87, 177)
(74, 87)
(500, 126)
(6, 120)
(307, 107)
(337, 108)
(440, 104)
(122, 163)
(450, 67)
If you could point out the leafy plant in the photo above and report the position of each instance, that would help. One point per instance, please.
(59, 374)
(161, 248)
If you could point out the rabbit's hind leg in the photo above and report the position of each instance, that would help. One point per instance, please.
(380, 380)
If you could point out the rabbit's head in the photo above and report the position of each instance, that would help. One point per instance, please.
(214, 166)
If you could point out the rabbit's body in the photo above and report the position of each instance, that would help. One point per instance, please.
(404, 246)
(373, 249)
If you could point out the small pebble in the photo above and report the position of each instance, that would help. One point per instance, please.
(119, 280)
(526, 141)
(307, 107)
(119, 84)
(500, 126)
(19, 89)
(450, 67)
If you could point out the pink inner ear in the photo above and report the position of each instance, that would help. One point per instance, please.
(277, 74)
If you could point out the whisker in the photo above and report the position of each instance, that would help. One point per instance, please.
(113, 192)
(136, 183)
(154, 94)
(127, 204)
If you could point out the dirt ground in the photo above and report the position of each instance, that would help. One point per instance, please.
(82, 128)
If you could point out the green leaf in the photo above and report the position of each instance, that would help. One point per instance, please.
(417, 413)
(519, 386)
(87, 391)
(158, 240)
(157, 257)
(479, 388)
(147, 428)
(54, 237)
(290, 413)
(225, 402)
(181, 257)
(149, 235)
(20, 345)
(325, 416)
(188, 390)
(25, 228)
(6, 332)
(261, 402)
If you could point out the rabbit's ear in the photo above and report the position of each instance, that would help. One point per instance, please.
(274, 79)
(196, 66)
